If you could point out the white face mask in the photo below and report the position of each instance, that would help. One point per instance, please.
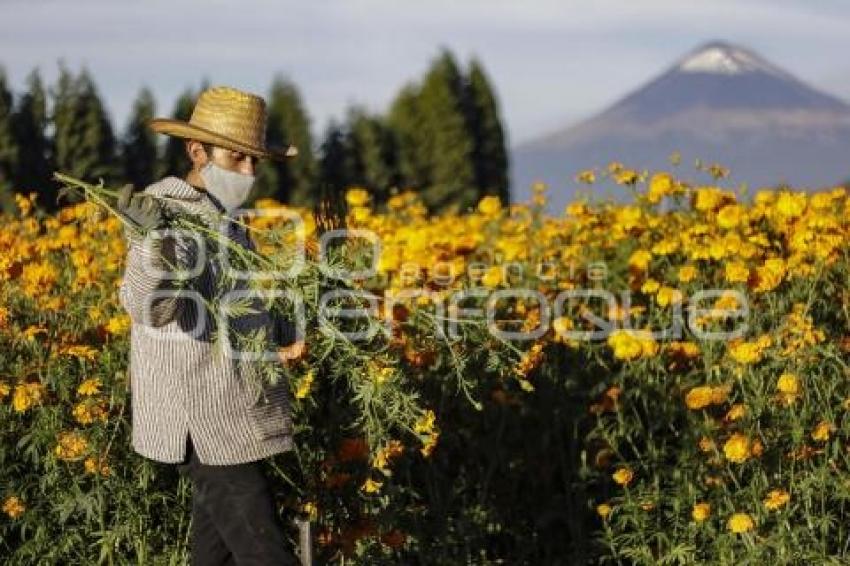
(229, 187)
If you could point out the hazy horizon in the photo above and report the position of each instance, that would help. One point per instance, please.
(551, 63)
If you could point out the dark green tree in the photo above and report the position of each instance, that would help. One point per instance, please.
(334, 165)
(30, 125)
(8, 146)
(407, 124)
(139, 146)
(372, 153)
(290, 181)
(174, 160)
(490, 156)
(84, 144)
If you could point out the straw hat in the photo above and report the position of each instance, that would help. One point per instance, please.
(228, 118)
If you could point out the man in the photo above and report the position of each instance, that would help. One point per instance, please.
(192, 404)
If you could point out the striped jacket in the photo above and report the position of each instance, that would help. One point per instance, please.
(180, 381)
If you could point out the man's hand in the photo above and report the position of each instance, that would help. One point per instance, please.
(142, 209)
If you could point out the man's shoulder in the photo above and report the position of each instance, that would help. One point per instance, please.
(173, 187)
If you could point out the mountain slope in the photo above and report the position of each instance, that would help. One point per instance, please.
(721, 103)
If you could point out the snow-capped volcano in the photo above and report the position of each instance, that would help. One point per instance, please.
(726, 59)
(719, 103)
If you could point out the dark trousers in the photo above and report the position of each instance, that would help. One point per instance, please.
(234, 521)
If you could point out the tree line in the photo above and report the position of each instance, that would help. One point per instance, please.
(442, 136)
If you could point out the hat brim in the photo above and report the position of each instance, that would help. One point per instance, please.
(185, 130)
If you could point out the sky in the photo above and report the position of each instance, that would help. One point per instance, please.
(552, 63)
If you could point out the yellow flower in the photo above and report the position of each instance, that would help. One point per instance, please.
(425, 423)
(70, 446)
(737, 272)
(776, 498)
(699, 397)
(701, 512)
(493, 277)
(93, 466)
(737, 448)
(4, 390)
(26, 395)
(687, 273)
(90, 386)
(371, 486)
(623, 476)
(822, 431)
(603, 510)
(640, 259)
(304, 385)
(729, 216)
(489, 205)
(430, 444)
(745, 352)
(660, 185)
(740, 523)
(650, 286)
(588, 177)
(118, 325)
(311, 510)
(736, 412)
(356, 196)
(14, 507)
(788, 386)
(668, 296)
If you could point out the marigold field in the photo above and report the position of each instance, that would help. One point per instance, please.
(681, 396)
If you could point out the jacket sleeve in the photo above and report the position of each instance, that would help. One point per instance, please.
(146, 292)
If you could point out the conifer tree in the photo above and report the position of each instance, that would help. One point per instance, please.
(372, 153)
(8, 147)
(139, 147)
(407, 124)
(334, 165)
(490, 156)
(30, 126)
(293, 179)
(84, 142)
(174, 161)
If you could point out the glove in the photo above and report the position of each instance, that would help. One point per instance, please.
(142, 209)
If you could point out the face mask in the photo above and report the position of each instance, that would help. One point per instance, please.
(229, 187)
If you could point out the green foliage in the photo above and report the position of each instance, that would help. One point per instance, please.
(30, 122)
(174, 160)
(290, 181)
(139, 148)
(83, 140)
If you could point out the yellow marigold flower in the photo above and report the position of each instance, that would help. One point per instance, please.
(687, 273)
(757, 448)
(371, 486)
(588, 177)
(740, 523)
(625, 345)
(626, 177)
(356, 196)
(492, 277)
(737, 272)
(118, 325)
(93, 466)
(736, 412)
(668, 296)
(26, 395)
(788, 386)
(603, 510)
(660, 185)
(701, 512)
(70, 446)
(745, 352)
(730, 216)
(14, 507)
(5, 389)
(623, 476)
(640, 259)
(304, 385)
(790, 205)
(430, 444)
(79, 351)
(776, 498)
(425, 423)
(4, 314)
(699, 397)
(90, 386)
(489, 205)
(737, 448)
(650, 286)
(720, 393)
(822, 431)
